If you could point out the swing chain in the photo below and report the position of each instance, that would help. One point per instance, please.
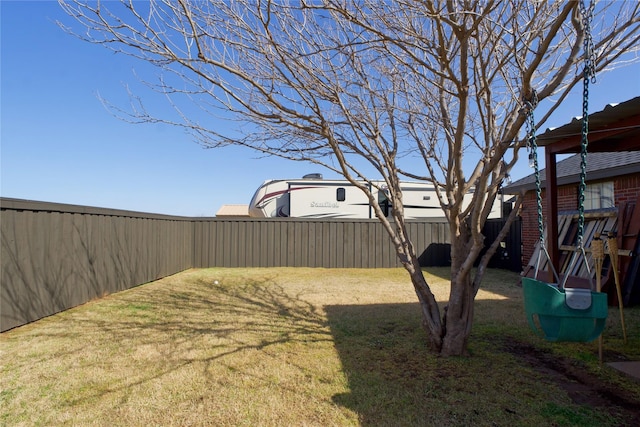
(589, 74)
(529, 105)
(588, 46)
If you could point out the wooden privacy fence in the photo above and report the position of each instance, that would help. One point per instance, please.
(56, 256)
(309, 243)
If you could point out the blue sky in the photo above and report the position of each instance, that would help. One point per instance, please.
(60, 144)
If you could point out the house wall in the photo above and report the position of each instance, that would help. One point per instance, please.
(567, 200)
(626, 189)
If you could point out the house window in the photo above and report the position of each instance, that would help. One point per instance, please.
(599, 195)
(341, 194)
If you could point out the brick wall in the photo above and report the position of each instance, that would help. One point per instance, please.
(568, 197)
(530, 232)
(567, 200)
(626, 189)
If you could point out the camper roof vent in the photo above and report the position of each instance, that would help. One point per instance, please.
(312, 176)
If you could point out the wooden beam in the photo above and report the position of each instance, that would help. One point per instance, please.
(605, 139)
(621, 252)
(552, 212)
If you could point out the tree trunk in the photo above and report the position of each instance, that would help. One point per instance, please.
(428, 306)
(449, 336)
(458, 317)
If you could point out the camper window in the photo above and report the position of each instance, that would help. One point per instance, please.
(383, 201)
(340, 194)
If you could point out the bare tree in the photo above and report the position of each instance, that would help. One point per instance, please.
(407, 88)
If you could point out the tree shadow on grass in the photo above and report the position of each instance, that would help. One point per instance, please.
(152, 332)
(395, 381)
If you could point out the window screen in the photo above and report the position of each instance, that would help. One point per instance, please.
(599, 195)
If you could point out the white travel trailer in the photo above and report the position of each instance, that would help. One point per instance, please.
(314, 197)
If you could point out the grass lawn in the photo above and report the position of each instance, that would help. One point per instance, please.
(305, 347)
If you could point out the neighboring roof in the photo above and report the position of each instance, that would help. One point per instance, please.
(599, 166)
(233, 210)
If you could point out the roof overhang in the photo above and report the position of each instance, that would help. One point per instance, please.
(616, 128)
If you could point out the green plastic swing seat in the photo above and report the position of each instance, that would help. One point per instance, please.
(559, 322)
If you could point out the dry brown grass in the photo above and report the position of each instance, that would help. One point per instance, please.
(313, 347)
